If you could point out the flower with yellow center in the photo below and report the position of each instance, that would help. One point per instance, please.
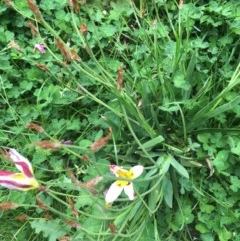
(118, 186)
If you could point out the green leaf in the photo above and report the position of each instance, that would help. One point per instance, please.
(84, 199)
(235, 183)
(168, 190)
(220, 161)
(85, 143)
(206, 208)
(40, 156)
(107, 30)
(180, 81)
(206, 236)
(198, 43)
(25, 86)
(236, 149)
(5, 65)
(201, 227)
(163, 163)
(169, 108)
(235, 27)
(3, 8)
(224, 234)
(150, 144)
(155, 195)
(179, 168)
(164, 167)
(74, 124)
(50, 229)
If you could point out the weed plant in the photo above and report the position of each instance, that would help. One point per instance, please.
(163, 76)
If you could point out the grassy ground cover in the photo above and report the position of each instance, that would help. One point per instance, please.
(86, 85)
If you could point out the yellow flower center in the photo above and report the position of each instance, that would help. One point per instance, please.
(19, 176)
(32, 182)
(124, 174)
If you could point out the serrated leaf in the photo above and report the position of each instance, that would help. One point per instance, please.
(50, 229)
(107, 30)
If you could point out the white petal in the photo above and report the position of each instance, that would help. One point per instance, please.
(129, 191)
(137, 171)
(113, 192)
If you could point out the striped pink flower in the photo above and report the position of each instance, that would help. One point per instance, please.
(24, 180)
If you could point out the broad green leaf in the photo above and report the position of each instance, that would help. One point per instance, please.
(107, 30)
(236, 149)
(39, 156)
(198, 43)
(3, 8)
(51, 229)
(220, 161)
(84, 143)
(180, 81)
(201, 227)
(206, 208)
(235, 183)
(235, 26)
(5, 65)
(207, 236)
(84, 199)
(224, 235)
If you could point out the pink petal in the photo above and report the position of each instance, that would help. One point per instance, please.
(137, 171)
(18, 181)
(113, 192)
(14, 185)
(21, 163)
(129, 191)
(40, 48)
(5, 173)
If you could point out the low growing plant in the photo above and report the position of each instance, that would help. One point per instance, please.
(89, 88)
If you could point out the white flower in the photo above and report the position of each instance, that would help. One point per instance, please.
(118, 186)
